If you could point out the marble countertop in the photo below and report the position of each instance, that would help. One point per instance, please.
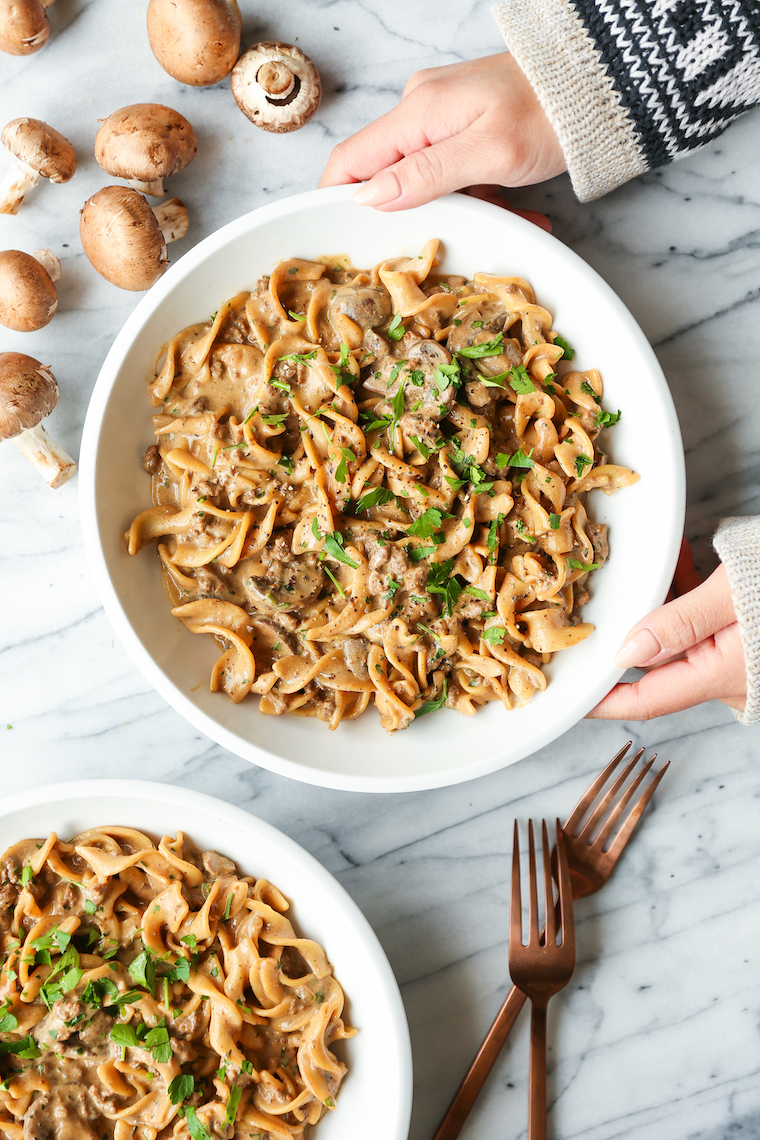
(657, 1036)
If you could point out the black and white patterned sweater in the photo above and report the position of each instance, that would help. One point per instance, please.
(633, 84)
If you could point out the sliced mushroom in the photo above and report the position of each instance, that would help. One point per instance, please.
(428, 391)
(195, 41)
(277, 86)
(40, 152)
(145, 143)
(125, 240)
(28, 297)
(24, 26)
(366, 305)
(28, 393)
(283, 586)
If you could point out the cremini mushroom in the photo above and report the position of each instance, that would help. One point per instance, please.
(28, 296)
(276, 86)
(28, 393)
(125, 240)
(145, 143)
(196, 41)
(40, 152)
(24, 26)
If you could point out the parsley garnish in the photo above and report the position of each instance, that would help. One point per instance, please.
(334, 581)
(286, 462)
(477, 593)
(89, 905)
(429, 523)
(197, 1130)
(519, 459)
(432, 706)
(581, 462)
(233, 1100)
(333, 545)
(341, 471)
(495, 635)
(181, 1088)
(441, 582)
(299, 357)
(493, 536)
(586, 387)
(396, 328)
(520, 382)
(397, 404)
(520, 527)
(274, 421)
(584, 567)
(568, 352)
(479, 351)
(607, 419)
(554, 521)
(296, 316)
(416, 377)
(446, 374)
(142, 970)
(392, 587)
(25, 1047)
(159, 1043)
(27, 875)
(374, 498)
(395, 371)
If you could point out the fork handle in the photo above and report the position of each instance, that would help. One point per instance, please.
(476, 1076)
(537, 1094)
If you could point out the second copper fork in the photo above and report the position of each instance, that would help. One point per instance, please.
(545, 965)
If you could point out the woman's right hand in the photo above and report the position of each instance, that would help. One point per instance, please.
(474, 122)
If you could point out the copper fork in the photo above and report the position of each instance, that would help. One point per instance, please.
(590, 867)
(545, 965)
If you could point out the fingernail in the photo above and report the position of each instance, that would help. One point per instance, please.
(379, 190)
(637, 650)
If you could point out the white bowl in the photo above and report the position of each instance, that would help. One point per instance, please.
(646, 520)
(320, 909)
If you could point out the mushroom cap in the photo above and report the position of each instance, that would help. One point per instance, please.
(24, 27)
(196, 41)
(146, 141)
(42, 147)
(28, 297)
(122, 238)
(294, 86)
(28, 393)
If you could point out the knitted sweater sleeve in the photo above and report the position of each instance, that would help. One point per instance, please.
(737, 542)
(629, 85)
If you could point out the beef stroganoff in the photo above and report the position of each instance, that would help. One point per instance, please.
(370, 486)
(150, 991)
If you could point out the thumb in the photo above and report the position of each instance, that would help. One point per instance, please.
(425, 175)
(682, 623)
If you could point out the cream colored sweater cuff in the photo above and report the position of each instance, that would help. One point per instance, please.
(737, 542)
(563, 66)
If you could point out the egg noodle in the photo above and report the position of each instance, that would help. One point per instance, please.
(150, 991)
(371, 485)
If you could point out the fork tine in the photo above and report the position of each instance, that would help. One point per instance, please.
(620, 806)
(533, 888)
(637, 811)
(598, 813)
(515, 910)
(588, 797)
(567, 926)
(550, 922)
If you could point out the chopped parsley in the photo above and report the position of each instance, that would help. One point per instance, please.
(395, 371)
(377, 497)
(197, 1130)
(494, 635)
(477, 593)
(429, 523)
(554, 521)
(334, 581)
(581, 463)
(519, 459)
(341, 471)
(607, 419)
(27, 875)
(447, 374)
(181, 1088)
(333, 546)
(286, 462)
(142, 970)
(493, 536)
(296, 316)
(520, 382)
(487, 348)
(398, 404)
(432, 706)
(440, 581)
(393, 585)
(416, 376)
(586, 387)
(568, 353)
(299, 357)
(274, 421)
(396, 328)
(584, 567)
(341, 369)
(159, 1043)
(233, 1100)
(520, 527)
(89, 905)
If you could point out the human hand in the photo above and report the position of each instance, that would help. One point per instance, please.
(690, 648)
(478, 121)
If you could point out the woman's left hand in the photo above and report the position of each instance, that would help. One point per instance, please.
(690, 648)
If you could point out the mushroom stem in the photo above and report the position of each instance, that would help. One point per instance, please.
(154, 188)
(276, 78)
(172, 218)
(46, 455)
(15, 186)
(48, 260)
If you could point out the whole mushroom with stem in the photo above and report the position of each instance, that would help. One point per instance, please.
(195, 41)
(40, 152)
(28, 393)
(145, 143)
(125, 240)
(277, 86)
(28, 296)
(24, 26)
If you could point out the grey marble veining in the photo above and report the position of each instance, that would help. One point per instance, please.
(658, 1036)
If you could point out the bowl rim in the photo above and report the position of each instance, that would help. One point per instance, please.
(673, 470)
(267, 835)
